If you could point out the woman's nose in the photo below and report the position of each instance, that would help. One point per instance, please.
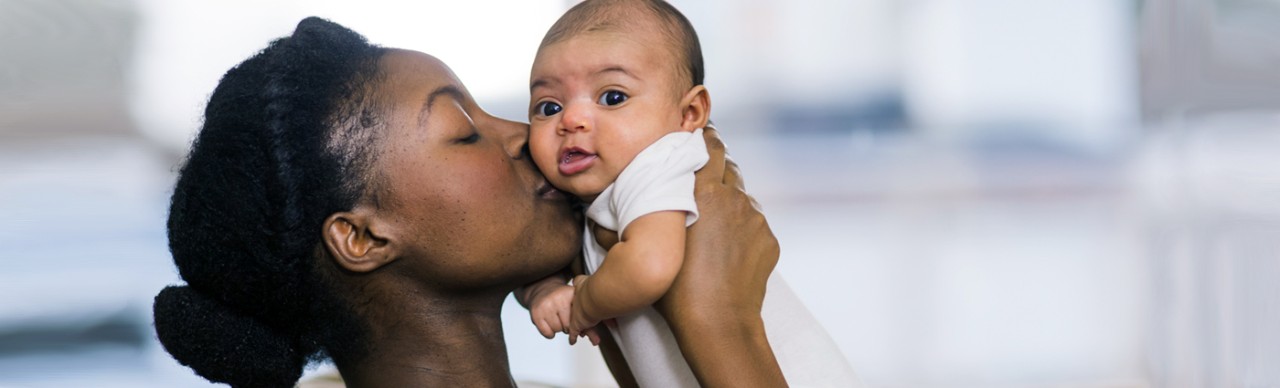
(514, 137)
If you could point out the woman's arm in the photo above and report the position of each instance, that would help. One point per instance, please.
(713, 306)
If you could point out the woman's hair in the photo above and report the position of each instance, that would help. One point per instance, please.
(287, 140)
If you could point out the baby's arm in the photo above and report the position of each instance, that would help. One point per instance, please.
(636, 273)
(548, 301)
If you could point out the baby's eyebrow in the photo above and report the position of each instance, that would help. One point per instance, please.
(540, 82)
(616, 69)
(544, 81)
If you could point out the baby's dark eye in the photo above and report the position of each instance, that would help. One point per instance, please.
(547, 108)
(612, 97)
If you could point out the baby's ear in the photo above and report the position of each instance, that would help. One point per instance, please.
(695, 109)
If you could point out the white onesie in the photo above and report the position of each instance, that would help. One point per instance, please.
(660, 179)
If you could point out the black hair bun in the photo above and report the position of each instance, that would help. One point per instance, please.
(222, 345)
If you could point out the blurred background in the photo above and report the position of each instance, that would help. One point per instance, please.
(969, 193)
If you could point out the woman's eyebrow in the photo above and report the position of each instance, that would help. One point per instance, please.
(449, 90)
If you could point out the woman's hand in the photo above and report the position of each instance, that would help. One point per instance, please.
(714, 305)
(713, 308)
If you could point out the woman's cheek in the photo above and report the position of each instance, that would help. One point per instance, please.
(490, 179)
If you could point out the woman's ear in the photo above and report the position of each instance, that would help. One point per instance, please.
(356, 240)
(695, 109)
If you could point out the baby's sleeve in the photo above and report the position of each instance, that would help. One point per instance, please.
(660, 178)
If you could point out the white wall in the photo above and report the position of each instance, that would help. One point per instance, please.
(1058, 69)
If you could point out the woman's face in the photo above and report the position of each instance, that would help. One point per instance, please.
(461, 186)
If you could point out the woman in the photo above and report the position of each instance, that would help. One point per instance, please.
(351, 202)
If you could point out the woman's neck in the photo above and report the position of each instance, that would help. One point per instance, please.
(429, 342)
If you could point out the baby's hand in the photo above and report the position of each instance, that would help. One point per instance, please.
(579, 323)
(591, 335)
(550, 310)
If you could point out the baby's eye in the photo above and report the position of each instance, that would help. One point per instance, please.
(547, 108)
(612, 97)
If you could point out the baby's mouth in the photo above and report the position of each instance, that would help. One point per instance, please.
(574, 160)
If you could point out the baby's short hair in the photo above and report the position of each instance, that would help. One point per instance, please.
(613, 15)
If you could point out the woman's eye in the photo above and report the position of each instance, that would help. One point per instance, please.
(612, 97)
(548, 108)
(474, 137)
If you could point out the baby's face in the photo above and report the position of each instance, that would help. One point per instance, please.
(597, 100)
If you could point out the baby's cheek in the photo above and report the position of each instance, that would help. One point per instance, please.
(543, 151)
(540, 147)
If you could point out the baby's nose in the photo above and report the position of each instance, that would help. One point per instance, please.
(575, 119)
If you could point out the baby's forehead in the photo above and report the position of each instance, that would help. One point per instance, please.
(661, 58)
(660, 29)
(648, 28)
(667, 48)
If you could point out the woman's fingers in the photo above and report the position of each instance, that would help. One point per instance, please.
(720, 167)
(733, 176)
(713, 171)
(713, 307)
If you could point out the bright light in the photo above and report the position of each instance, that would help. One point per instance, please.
(184, 47)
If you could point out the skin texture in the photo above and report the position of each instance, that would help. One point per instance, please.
(461, 217)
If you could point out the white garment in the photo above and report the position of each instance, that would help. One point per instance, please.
(660, 179)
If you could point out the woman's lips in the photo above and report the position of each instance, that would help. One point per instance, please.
(574, 160)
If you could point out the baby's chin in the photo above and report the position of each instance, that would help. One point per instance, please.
(582, 187)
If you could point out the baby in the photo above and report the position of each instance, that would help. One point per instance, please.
(617, 109)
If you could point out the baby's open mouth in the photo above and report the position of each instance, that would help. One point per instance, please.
(574, 160)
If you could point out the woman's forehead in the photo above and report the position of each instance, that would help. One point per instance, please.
(416, 70)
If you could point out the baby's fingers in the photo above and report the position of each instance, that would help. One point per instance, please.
(544, 328)
(563, 315)
(593, 336)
